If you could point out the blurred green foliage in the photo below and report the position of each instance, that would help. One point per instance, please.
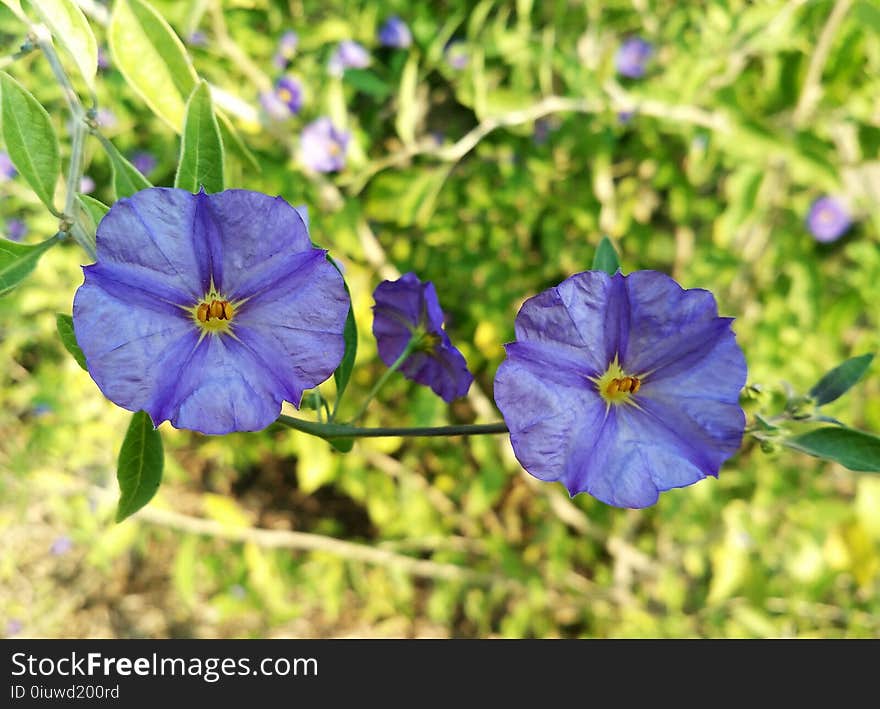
(742, 119)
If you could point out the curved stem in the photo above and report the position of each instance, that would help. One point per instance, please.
(337, 430)
(407, 351)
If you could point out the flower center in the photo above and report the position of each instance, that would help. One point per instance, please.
(213, 313)
(285, 95)
(616, 386)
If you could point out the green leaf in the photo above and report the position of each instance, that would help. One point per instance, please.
(343, 445)
(605, 258)
(201, 147)
(93, 207)
(839, 380)
(152, 59)
(15, 6)
(407, 110)
(139, 470)
(367, 82)
(127, 179)
(342, 375)
(30, 139)
(18, 260)
(64, 323)
(69, 26)
(853, 449)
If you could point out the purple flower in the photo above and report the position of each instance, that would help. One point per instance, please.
(407, 309)
(106, 118)
(456, 55)
(16, 229)
(13, 627)
(197, 39)
(285, 100)
(7, 169)
(622, 386)
(61, 545)
(395, 33)
(323, 146)
(208, 309)
(86, 185)
(144, 161)
(286, 49)
(625, 117)
(103, 59)
(632, 56)
(828, 219)
(348, 55)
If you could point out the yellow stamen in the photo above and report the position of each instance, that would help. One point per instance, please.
(213, 313)
(616, 386)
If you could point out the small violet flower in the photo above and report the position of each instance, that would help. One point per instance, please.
(456, 55)
(16, 230)
(61, 545)
(408, 311)
(144, 161)
(86, 185)
(395, 33)
(197, 39)
(7, 169)
(285, 100)
(208, 309)
(828, 219)
(632, 56)
(348, 55)
(622, 386)
(286, 49)
(323, 146)
(106, 118)
(103, 59)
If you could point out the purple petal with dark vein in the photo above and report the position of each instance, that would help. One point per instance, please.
(556, 363)
(136, 287)
(432, 317)
(279, 276)
(255, 231)
(207, 243)
(401, 299)
(445, 371)
(152, 231)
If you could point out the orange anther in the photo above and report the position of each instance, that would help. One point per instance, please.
(202, 312)
(626, 384)
(636, 385)
(228, 310)
(613, 387)
(216, 308)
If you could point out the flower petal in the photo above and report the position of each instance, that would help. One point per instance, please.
(444, 370)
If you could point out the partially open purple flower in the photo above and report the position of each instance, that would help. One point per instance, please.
(348, 55)
(145, 162)
(395, 33)
(286, 99)
(16, 229)
(632, 56)
(828, 219)
(622, 386)
(7, 169)
(407, 309)
(323, 146)
(208, 309)
(286, 49)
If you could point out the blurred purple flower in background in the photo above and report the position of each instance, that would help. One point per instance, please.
(86, 185)
(144, 161)
(197, 39)
(828, 219)
(632, 57)
(16, 229)
(323, 146)
(106, 118)
(456, 54)
(622, 386)
(625, 117)
(61, 545)
(250, 314)
(7, 169)
(285, 100)
(407, 310)
(286, 49)
(348, 55)
(103, 59)
(13, 627)
(395, 33)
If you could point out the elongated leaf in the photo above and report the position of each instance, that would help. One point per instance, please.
(841, 379)
(342, 375)
(30, 139)
(127, 179)
(367, 82)
(93, 207)
(152, 59)
(605, 258)
(15, 6)
(853, 449)
(139, 470)
(201, 147)
(18, 260)
(64, 323)
(70, 28)
(407, 108)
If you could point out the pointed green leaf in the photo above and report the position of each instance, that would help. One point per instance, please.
(64, 323)
(201, 147)
(30, 139)
(342, 375)
(127, 179)
(853, 449)
(18, 260)
(152, 59)
(605, 258)
(839, 380)
(139, 470)
(15, 6)
(93, 207)
(70, 28)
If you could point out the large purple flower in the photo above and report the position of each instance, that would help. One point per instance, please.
(622, 386)
(828, 219)
(408, 310)
(208, 309)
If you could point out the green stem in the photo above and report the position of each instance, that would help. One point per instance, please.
(337, 430)
(411, 345)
